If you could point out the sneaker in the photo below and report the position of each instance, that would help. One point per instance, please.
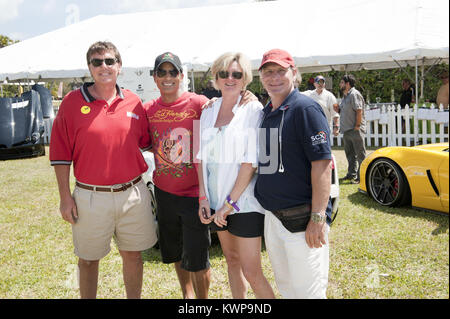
(346, 178)
(354, 181)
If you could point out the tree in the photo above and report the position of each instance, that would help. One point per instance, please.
(380, 83)
(8, 90)
(5, 41)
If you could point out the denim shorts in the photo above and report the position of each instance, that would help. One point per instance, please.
(182, 236)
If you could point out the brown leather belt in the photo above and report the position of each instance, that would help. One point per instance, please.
(113, 189)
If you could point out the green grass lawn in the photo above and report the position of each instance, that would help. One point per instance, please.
(376, 252)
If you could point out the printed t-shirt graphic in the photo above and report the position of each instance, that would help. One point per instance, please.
(171, 129)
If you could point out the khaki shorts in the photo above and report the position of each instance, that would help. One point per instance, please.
(125, 215)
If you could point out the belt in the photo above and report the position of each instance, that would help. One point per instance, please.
(302, 209)
(112, 189)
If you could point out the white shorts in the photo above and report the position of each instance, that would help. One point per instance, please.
(300, 272)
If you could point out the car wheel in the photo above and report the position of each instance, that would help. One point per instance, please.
(387, 183)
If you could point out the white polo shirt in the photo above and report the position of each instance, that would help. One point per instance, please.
(326, 100)
(239, 144)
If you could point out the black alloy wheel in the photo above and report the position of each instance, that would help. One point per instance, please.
(387, 183)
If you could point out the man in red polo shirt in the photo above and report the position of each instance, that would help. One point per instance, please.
(100, 129)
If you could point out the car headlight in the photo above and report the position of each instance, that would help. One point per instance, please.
(35, 137)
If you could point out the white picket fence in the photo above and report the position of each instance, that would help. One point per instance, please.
(384, 126)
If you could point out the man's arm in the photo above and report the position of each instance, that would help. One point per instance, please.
(358, 119)
(335, 117)
(413, 96)
(321, 186)
(67, 205)
(442, 96)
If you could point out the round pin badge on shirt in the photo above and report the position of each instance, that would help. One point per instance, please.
(85, 109)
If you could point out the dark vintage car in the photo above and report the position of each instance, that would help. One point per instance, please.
(22, 123)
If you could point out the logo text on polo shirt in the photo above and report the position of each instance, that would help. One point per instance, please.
(132, 115)
(319, 138)
(85, 109)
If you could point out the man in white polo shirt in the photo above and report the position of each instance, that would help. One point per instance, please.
(327, 101)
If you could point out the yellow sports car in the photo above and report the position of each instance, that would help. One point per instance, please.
(416, 176)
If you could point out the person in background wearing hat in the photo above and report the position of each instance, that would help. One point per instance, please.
(100, 128)
(293, 181)
(327, 101)
(183, 239)
(353, 126)
(442, 96)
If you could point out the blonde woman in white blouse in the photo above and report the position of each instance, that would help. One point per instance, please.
(228, 160)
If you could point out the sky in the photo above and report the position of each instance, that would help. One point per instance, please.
(23, 19)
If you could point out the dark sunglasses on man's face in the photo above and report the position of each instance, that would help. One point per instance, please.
(98, 62)
(162, 73)
(225, 74)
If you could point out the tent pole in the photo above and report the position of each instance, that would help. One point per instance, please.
(417, 84)
(193, 83)
(422, 78)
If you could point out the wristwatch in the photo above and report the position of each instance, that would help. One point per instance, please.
(318, 218)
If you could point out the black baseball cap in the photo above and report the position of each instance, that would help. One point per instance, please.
(318, 78)
(168, 57)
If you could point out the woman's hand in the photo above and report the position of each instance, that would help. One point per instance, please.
(204, 212)
(220, 217)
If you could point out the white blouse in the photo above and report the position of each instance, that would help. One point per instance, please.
(239, 145)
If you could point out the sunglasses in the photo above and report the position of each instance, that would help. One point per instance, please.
(98, 62)
(162, 73)
(225, 74)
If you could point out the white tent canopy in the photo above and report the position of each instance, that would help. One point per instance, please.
(321, 35)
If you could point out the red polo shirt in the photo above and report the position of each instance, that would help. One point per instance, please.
(171, 128)
(102, 141)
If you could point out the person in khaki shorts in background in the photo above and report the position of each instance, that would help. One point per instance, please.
(101, 128)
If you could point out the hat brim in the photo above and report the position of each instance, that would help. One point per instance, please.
(174, 64)
(280, 63)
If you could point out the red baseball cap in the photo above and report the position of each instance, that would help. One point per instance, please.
(279, 57)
